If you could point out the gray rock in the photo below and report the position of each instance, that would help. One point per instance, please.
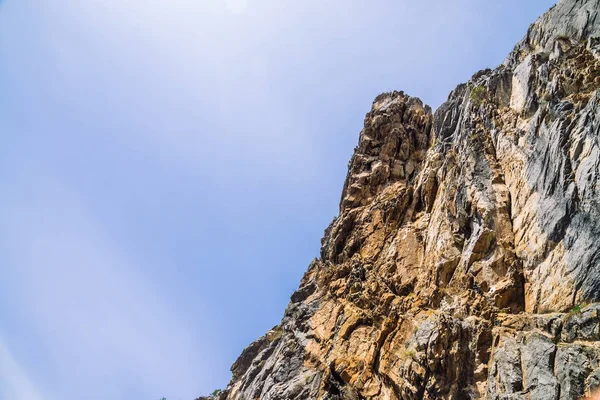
(538, 364)
(506, 374)
(573, 366)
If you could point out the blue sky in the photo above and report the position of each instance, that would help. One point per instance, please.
(168, 169)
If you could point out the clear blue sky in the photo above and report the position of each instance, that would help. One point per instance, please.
(168, 169)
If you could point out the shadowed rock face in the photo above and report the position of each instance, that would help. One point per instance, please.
(467, 244)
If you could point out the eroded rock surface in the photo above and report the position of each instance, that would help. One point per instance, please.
(465, 262)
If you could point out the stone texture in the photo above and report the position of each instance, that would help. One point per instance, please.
(466, 246)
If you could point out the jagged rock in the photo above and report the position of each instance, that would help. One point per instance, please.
(466, 244)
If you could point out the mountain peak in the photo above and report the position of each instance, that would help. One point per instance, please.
(465, 260)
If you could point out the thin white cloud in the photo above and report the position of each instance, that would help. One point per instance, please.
(95, 312)
(14, 382)
(199, 64)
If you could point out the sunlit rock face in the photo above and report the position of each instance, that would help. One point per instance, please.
(465, 261)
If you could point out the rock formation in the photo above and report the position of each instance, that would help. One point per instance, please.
(465, 261)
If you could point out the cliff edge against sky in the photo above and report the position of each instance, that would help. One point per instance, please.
(465, 261)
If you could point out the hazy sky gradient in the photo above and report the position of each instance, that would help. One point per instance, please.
(168, 169)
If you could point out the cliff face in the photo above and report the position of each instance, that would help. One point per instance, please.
(465, 261)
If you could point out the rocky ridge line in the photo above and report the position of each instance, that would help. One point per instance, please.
(465, 261)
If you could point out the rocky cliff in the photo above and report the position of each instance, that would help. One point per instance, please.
(465, 261)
